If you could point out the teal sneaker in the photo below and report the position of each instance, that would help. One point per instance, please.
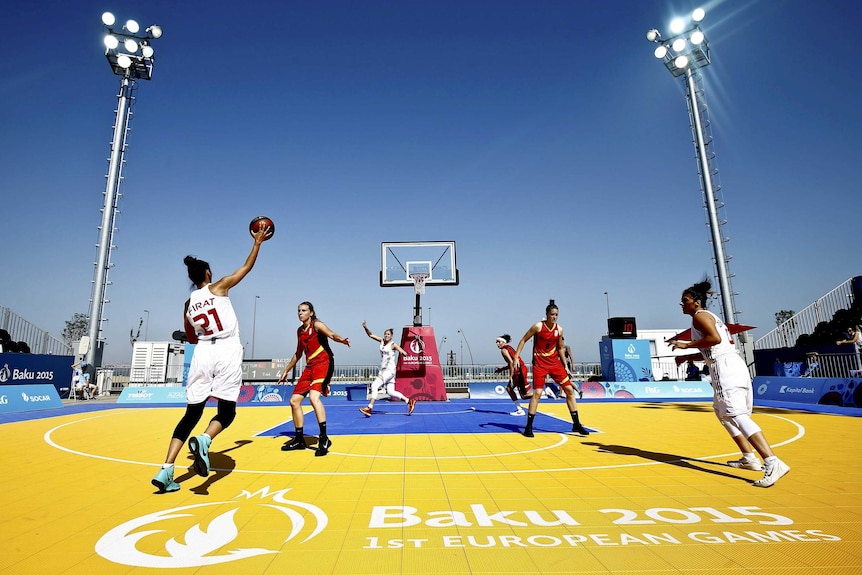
(200, 446)
(164, 480)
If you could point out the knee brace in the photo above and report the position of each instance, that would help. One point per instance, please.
(730, 426)
(226, 413)
(193, 414)
(746, 425)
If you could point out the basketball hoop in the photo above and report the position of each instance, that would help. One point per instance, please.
(419, 283)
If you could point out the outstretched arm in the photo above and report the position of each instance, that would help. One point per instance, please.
(324, 329)
(369, 334)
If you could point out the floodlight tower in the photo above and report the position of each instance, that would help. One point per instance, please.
(130, 56)
(684, 54)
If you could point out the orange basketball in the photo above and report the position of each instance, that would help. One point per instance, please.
(259, 223)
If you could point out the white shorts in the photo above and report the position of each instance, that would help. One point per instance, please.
(216, 370)
(731, 382)
(386, 375)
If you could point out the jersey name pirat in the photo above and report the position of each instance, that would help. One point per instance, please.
(721, 348)
(387, 355)
(314, 344)
(545, 345)
(212, 316)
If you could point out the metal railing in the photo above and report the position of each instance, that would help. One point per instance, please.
(804, 321)
(840, 365)
(116, 377)
(39, 340)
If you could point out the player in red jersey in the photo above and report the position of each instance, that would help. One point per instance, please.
(549, 359)
(517, 377)
(312, 339)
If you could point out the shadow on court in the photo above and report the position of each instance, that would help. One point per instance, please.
(669, 458)
(221, 465)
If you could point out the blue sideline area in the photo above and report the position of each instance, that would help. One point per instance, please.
(457, 416)
(391, 417)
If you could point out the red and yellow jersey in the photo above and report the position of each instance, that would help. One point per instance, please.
(523, 368)
(315, 345)
(545, 351)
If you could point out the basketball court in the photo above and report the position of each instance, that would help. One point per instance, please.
(454, 488)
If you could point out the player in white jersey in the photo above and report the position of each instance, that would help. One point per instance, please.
(216, 366)
(389, 351)
(733, 397)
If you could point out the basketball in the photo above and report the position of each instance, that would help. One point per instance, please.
(259, 223)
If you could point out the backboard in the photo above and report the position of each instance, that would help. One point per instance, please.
(400, 259)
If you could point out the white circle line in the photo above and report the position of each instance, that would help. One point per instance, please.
(800, 432)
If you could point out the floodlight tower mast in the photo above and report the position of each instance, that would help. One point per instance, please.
(130, 56)
(684, 54)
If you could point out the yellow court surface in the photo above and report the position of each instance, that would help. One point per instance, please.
(460, 491)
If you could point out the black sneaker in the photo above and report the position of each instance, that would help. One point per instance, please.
(580, 430)
(293, 445)
(528, 432)
(323, 447)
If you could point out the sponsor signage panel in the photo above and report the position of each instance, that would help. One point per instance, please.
(34, 369)
(15, 398)
(152, 394)
(825, 391)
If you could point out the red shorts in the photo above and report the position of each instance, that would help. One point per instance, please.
(556, 371)
(316, 375)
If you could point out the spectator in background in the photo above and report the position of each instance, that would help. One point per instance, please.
(853, 334)
(5, 340)
(81, 380)
(692, 373)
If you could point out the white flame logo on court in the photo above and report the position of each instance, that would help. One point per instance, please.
(204, 545)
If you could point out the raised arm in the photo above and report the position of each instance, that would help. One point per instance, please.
(222, 286)
(369, 334)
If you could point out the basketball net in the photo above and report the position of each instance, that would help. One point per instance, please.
(419, 283)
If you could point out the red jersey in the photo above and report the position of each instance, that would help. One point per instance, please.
(522, 370)
(314, 344)
(545, 351)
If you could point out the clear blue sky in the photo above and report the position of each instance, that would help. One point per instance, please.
(542, 136)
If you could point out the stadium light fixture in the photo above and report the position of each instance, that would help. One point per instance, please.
(684, 53)
(130, 56)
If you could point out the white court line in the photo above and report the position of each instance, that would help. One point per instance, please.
(800, 432)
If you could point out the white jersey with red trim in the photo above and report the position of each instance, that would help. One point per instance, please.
(212, 316)
(387, 356)
(723, 347)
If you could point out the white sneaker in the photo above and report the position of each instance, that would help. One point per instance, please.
(743, 463)
(772, 474)
(519, 411)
